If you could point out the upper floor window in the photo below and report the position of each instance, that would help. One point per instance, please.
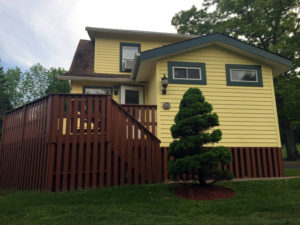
(127, 54)
(243, 75)
(186, 72)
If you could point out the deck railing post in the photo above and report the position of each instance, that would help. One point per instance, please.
(1, 147)
(51, 127)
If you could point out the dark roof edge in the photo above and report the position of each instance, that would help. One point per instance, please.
(198, 41)
(137, 32)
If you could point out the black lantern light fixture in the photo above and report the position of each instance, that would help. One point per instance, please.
(115, 90)
(164, 82)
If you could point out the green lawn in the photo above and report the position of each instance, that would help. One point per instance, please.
(284, 151)
(255, 202)
(291, 172)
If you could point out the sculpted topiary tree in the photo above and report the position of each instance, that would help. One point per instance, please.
(190, 132)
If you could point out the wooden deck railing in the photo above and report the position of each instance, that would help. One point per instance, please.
(145, 114)
(70, 141)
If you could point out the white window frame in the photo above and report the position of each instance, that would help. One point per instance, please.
(245, 81)
(140, 89)
(106, 88)
(186, 68)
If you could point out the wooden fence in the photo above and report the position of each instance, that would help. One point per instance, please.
(69, 141)
(252, 163)
(80, 141)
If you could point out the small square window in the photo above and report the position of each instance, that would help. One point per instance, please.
(243, 75)
(127, 54)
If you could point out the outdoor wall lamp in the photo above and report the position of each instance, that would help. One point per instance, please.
(164, 82)
(116, 90)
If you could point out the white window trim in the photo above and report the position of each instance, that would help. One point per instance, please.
(140, 89)
(186, 68)
(98, 88)
(245, 81)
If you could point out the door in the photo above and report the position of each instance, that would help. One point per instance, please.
(132, 95)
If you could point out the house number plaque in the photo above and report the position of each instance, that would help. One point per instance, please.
(166, 105)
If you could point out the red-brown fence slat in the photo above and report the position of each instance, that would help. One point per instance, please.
(88, 142)
(136, 154)
(276, 162)
(59, 142)
(270, 163)
(95, 141)
(264, 162)
(236, 163)
(81, 142)
(67, 144)
(104, 109)
(248, 162)
(116, 130)
(279, 153)
(129, 151)
(142, 156)
(123, 149)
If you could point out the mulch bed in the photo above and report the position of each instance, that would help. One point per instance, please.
(195, 192)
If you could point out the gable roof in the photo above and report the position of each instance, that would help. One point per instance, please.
(216, 37)
(83, 60)
(82, 67)
(280, 63)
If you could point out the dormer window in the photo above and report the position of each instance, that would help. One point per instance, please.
(127, 54)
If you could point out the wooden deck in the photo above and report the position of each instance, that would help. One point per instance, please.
(69, 141)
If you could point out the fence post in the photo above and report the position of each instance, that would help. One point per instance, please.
(51, 126)
(1, 150)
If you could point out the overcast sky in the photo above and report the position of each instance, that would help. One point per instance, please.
(47, 31)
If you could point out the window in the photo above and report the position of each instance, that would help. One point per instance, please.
(131, 94)
(243, 75)
(97, 90)
(186, 73)
(127, 54)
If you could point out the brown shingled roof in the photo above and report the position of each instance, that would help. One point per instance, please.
(83, 61)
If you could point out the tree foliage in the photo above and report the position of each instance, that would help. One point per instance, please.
(190, 132)
(5, 104)
(272, 25)
(18, 88)
(23, 87)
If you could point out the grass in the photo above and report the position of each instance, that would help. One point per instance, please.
(255, 202)
(284, 150)
(291, 172)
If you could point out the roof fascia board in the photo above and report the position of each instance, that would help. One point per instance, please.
(89, 78)
(94, 32)
(197, 42)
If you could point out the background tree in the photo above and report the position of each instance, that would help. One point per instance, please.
(5, 104)
(192, 121)
(18, 88)
(273, 25)
(23, 87)
(39, 81)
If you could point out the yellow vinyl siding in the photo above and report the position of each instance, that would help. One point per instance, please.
(107, 53)
(77, 87)
(247, 115)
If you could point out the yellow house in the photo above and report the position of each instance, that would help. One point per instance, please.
(235, 77)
